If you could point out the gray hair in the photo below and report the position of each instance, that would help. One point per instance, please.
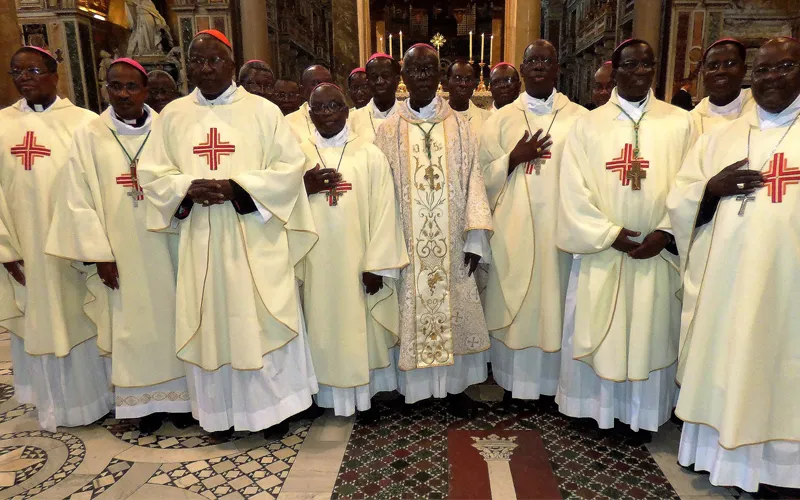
(254, 66)
(160, 72)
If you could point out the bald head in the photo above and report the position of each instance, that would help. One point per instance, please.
(776, 74)
(421, 74)
(542, 46)
(418, 51)
(313, 76)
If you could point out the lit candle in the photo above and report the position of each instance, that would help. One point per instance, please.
(401, 44)
(470, 45)
(491, 48)
(390, 45)
(482, 39)
(380, 43)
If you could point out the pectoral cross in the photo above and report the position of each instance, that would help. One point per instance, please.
(744, 198)
(636, 174)
(336, 192)
(131, 180)
(431, 177)
(536, 165)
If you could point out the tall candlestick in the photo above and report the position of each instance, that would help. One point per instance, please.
(390, 45)
(470, 45)
(482, 40)
(380, 43)
(401, 44)
(491, 49)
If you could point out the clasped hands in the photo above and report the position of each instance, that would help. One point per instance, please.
(209, 192)
(529, 149)
(651, 246)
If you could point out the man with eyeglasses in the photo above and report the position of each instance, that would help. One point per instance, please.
(57, 366)
(461, 83)
(446, 220)
(504, 84)
(383, 75)
(602, 86)
(734, 211)
(520, 154)
(621, 326)
(257, 78)
(161, 90)
(300, 121)
(287, 96)
(724, 69)
(225, 170)
(358, 88)
(360, 253)
(100, 217)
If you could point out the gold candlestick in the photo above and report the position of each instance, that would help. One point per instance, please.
(481, 85)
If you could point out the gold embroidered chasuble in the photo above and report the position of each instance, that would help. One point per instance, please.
(350, 332)
(33, 151)
(441, 198)
(527, 283)
(627, 314)
(739, 366)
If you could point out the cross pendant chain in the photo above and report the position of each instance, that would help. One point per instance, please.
(135, 192)
(744, 199)
(427, 141)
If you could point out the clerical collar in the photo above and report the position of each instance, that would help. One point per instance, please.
(138, 127)
(37, 108)
(635, 110)
(382, 115)
(336, 141)
(769, 120)
(224, 98)
(733, 107)
(539, 106)
(426, 112)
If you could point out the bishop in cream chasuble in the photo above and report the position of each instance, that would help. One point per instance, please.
(734, 210)
(57, 366)
(300, 121)
(383, 76)
(461, 84)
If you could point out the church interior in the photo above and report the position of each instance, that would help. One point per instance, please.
(510, 448)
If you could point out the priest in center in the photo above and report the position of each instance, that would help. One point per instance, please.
(225, 169)
(446, 220)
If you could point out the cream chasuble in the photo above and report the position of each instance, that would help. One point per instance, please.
(100, 216)
(33, 149)
(627, 313)
(476, 117)
(301, 124)
(9, 252)
(707, 117)
(366, 121)
(236, 293)
(442, 197)
(740, 339)
(524, 298)
(359, 229)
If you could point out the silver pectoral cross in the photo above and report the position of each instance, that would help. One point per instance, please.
(744, 198)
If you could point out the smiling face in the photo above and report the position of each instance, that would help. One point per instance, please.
(358, 88)
(32, 78)
(383, 77)
(776, 74)
(505, 85)
(540, 68)
(210, 65)
(328, 110)
(127, 91)
(287, 96)
(421, 74)
(636, 71)
(723, 71)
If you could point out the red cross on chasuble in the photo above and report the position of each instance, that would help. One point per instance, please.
(532, 165)
(131, 180)
(779, 177)
(214, 148)
(29, 150)
(624, 165)
(336, 192)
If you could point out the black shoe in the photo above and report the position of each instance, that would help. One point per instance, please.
(461, 406)
(369, 417)
(151, 423)
(222, 436)
(313, 412)
(769, 491)
(182, 420)
(277, 431)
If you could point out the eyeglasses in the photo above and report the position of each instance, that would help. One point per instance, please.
(17, 73)
(717, 65)
(421, 72)
(782, 69)
(213, 62)
(632, 66)
(331, 108)
(131, 88)
(463, 79)
(504, 82)
(160, 92)
(539, 60)
(258, 86)
(285, 95)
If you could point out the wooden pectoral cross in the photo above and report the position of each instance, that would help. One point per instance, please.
(744, 198)
(636, 174)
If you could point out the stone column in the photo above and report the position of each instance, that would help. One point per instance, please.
(9, 43)
(497, 451)
(647, 22)
(364, 33)
(254, 30)
(523, 25)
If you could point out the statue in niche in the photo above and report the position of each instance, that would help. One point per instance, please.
(149, 31)
(102, 74)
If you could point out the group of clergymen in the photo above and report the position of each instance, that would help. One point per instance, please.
(221, 260)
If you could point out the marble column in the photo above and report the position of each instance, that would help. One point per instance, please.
(364, 33)
(647, 22)
(346, 46)
(9, 43)
(255, 34)
(523, 25)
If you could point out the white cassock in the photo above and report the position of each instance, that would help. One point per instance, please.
(351, 333)
(476, 117)
(527, 282)
(620, 343)
(100, 216)
(739, 365)
(301, 124)
(57, 366)
(443, 337)
(366, 121)
(239, 320)
(707, 116)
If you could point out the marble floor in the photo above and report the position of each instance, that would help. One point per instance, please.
(414, 451)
